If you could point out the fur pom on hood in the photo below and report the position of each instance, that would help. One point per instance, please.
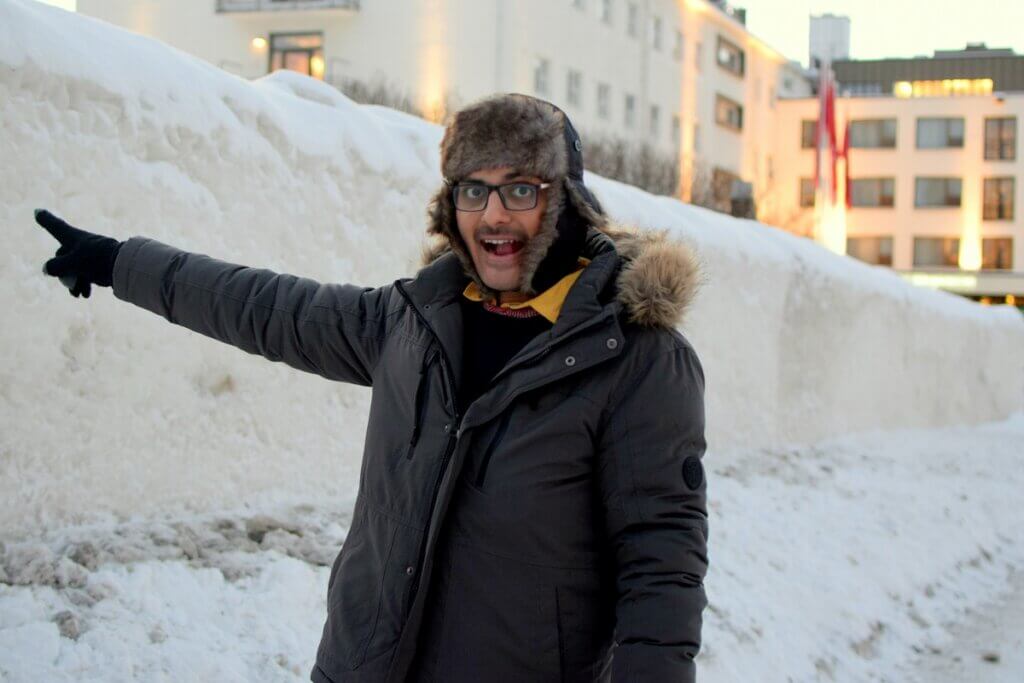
(659, 278)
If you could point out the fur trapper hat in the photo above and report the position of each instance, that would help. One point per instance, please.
(537, 138)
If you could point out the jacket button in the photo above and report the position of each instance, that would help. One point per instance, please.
(410, 570)
(570, 361)
(447, 427)
(612, 343)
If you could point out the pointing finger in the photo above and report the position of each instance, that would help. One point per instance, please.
(53, 225)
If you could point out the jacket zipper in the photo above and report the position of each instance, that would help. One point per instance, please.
(498, 436)
(453, 434)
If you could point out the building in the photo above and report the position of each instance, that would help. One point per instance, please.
(829, 39)
(935, 168)
(682, 77)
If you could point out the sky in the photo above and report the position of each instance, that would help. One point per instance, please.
(891, 28)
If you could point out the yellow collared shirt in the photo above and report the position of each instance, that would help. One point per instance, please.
(548, 303)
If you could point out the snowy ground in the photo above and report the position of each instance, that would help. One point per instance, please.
(878, 557)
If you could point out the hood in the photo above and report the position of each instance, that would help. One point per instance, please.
(659, 276)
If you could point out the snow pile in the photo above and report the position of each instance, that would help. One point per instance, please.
(107, 409)
(848, 560)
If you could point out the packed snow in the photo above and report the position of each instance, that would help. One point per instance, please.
(168, 505)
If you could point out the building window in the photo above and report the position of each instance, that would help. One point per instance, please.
(677, 47)
(940, 133)
(1001, 139)
(872, 192)
(302, 52)
(698, 54)
(629, 111)
(730, 56)
(606, 11)
(936, 192)
(997, 253)
(632, 19)
(604, 98)
(874, 250)
(728, 113)
(580, 4)
(574, 88)
(677, 129)
(873, 133)
(998, 198)
(541, 76)
(656, 33)
(936, 252)
(806, 192)
(808, 131)
(655, 120)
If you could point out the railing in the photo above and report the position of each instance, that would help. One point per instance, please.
(282, 5)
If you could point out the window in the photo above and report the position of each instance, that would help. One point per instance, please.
(605, 11)
(677, 129)
(997, 253)
(936, 192)
(655, 120)
(656, 33)
(806, 192)
(302, 52)
(677, 47)
(998, 198)
(632, 20)
(604, 97)
(873, 250)
(872, 192)
(541, 76)
(580, 4)
(1001, 139)
(728, 113)
(808, 131)
(940, 133)
(574, 88)
(936, 252)
(629, 112)
(698, 54)
(730, 57)
(873, 133)
(696, 137)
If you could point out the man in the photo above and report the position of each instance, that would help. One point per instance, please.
(531, 501)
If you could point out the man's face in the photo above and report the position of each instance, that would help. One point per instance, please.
(486, 233)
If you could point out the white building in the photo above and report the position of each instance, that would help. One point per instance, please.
(829, 39)
(683, 76)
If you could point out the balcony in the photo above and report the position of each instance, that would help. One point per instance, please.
(284, 5)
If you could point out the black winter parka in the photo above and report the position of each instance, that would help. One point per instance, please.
(554, 531)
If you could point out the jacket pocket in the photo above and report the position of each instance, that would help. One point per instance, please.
(421, 402)
(585, 619)
(491, 447)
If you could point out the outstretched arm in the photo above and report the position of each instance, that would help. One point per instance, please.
(653, 489)
(333, 330)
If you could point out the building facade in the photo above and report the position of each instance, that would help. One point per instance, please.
(683, 77)
(935, 173)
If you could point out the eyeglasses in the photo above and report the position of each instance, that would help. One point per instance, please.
(514, 196)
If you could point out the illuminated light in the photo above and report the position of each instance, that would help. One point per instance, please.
(985, 301)
(316, 67)
(1011, 300)
(953, 281)
(259, 43)
(948, 87)
(433, 61)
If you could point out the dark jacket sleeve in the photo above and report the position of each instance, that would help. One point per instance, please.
(332, 330)
(655, 509)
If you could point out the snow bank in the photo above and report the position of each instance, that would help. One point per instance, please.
(107, 409)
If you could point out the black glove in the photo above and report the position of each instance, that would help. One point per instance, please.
(83, 259)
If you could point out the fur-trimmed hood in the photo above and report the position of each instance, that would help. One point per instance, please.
(658, 279)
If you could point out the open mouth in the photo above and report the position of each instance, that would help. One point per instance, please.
(503, 246)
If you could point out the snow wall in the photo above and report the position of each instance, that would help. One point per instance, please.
(108, 410)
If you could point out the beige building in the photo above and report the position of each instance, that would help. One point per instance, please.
(935, 186)
(684, 77)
